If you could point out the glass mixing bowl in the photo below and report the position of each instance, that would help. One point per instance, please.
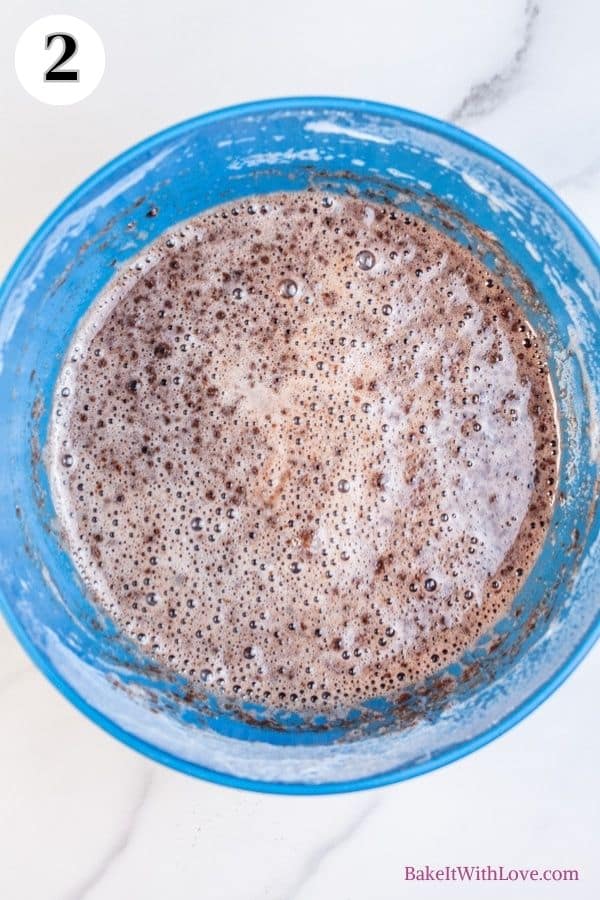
(467, 189)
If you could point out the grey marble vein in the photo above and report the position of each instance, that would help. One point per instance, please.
(117, 848)
(485, 96)
(584, 174)
(316, 859)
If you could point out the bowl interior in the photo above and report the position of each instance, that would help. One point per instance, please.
(465, 189)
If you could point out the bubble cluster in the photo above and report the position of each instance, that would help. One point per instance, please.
(304, 450)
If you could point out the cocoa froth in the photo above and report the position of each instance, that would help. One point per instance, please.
(306, 451)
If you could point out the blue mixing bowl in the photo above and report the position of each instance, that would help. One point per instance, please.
(466, 188)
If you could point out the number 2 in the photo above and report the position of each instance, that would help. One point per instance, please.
(54, 73)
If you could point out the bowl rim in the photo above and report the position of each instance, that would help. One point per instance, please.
(408, 117)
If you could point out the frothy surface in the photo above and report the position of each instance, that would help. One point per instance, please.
(304, 450)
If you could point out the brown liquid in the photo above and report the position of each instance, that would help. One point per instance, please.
(306, 451)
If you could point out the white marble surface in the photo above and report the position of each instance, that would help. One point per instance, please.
(82, 816)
